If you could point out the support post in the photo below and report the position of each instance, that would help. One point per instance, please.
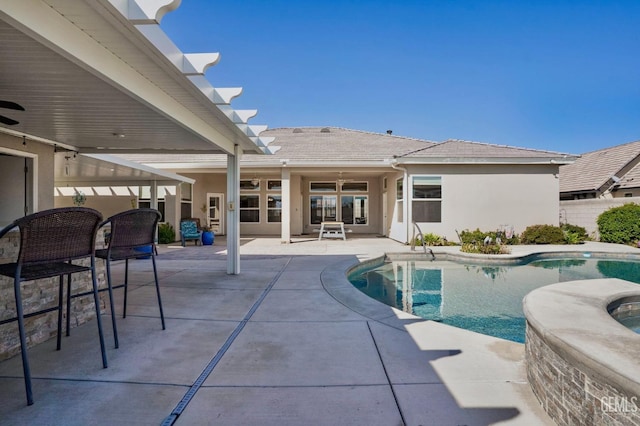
(285, 225)
(233, 211)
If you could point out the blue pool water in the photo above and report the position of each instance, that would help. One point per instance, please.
(485, 299)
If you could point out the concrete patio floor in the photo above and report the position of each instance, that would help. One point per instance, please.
(287, 342)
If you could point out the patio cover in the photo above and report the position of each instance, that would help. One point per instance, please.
(100, 76)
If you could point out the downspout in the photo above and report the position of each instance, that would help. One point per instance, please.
(405, 203)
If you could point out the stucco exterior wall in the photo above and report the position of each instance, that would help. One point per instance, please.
(490, 196)
(585, 212)
(107, 205)
(42, 155)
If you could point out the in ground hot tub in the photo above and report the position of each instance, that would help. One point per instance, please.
(627, 312)
(582, 365)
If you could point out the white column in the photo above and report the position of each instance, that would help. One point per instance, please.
(285, 226)
(233, 211)
(154, 194)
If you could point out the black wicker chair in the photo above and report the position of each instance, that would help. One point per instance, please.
(49, 241)
(132, 237)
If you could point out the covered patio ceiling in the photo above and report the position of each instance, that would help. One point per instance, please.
(100, 76)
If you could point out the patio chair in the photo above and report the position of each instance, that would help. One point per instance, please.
(132, 237)
(49, 241)
(189, 231)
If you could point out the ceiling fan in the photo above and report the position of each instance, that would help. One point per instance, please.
(342, 180)
(9, 105)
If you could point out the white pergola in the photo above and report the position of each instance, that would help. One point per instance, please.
(101, 77)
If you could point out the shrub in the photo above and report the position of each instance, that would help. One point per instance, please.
(474, 242)
(472, 237)
(574, 234)
(620, 224)
(432, 240)
(166, 234)
(484, 248)
(478, 236)
(543, 234)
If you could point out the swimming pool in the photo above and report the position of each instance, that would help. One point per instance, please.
(483, 298)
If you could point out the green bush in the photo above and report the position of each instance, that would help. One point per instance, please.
(574, 234)
(478, 236)
(474, 242)
(472, 237)
(543, 234)
(166, 234)
(432, 240)
(620, 224)
(484, 248)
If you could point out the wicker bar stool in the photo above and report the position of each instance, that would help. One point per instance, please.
(132, 237)
(49, 241)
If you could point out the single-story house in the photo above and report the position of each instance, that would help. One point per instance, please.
(598, 181)
(374, 183)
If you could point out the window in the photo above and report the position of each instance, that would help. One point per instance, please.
(186, 190)
(186, 199)
(322, 187)
(250, 208)
(354, 187)
(274, 208)
(354, 209)
(250, 185)
(323, 208)
(399, 200)
(274, 185)
(427, 199)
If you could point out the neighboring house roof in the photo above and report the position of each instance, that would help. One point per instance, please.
(594, 170)
(327, 146)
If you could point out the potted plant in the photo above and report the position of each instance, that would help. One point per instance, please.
(207, 236)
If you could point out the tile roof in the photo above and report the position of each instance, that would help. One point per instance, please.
(465, 149)
(330, 145)
(592, 170)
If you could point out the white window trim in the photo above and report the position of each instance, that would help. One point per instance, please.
(412, 199)
(251, 194)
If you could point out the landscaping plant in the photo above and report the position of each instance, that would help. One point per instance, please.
(166, 234)
(620, 224)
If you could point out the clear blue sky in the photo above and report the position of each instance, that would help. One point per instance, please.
(556, 75)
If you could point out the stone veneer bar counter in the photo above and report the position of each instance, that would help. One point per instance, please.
(41, 294)
(581, 363)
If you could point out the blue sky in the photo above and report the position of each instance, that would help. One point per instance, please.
(555, 75)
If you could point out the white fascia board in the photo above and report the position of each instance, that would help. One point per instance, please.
(59, 34)
(487, 160)
(161, 174)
